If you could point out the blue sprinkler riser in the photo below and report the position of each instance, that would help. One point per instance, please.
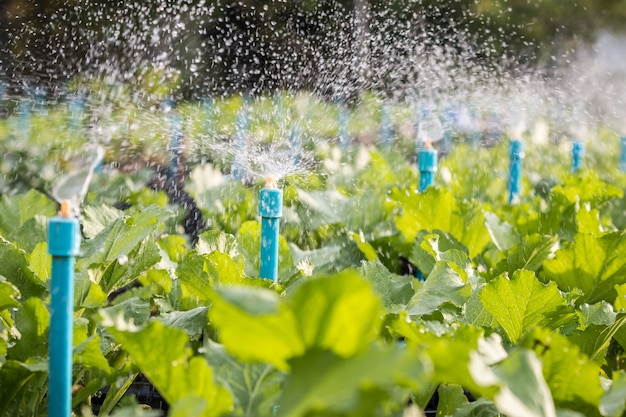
(427, 165)
(63, 245)
(622, 155)
(270, 210)
(516, 155)
(578, 153)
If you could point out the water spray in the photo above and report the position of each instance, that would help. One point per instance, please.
(23, 118)
(386, 129)
(342, 120)
(270, 210)
(208, 115)
(63, 245)
(76, 110)
(241, 138)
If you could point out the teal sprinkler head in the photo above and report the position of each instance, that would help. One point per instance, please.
(430, 130)
(270, 210)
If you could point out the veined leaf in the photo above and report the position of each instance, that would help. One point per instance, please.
(322, 382)
(394, 290)
(168, 346)
(593, 264)
(520, 303)
(502, 234)
(613, 402)
(446, 283)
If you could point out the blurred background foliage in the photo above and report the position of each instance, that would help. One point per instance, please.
(222, 46)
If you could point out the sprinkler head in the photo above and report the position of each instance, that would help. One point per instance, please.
(66, 209)
(428, 145)
(270, 183)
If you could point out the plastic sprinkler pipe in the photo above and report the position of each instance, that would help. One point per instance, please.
(63, 245)
(622, 155)
(270, 210)
(578, 152)
(208, 115)
(427, 164)
(516, 155)
(241, 133)
(386, 130)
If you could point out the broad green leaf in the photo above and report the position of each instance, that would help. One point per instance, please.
(193, 322)
(223, 269)
(215, 240)
(134, 310)
(167, 358)
(87, 351)
(40, 262)
(9, 295)
(124, 270)
(620, 299)
(588, 221)
(121, 236)
(339, 312)
(87, 293)
(520, 303)
(595, 340)
(191, 273)
(529, 254)
(97, 218)
(573, 379)
(188, 406)
(594, 265)
(326, 384)
(18, 209)
(476, 314)
(175, 247)
(14, 266)
(613, 402)
(255, 326)
(32, 320)
(255, 387)
(368, 250)
(524, 391)
(600, 313)
(393, 290)
(31, 233)
(502, 234)
(18, 384)
(446, 283)
(454, 403)
(429, 248)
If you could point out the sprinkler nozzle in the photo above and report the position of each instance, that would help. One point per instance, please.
(428, 144)
(270, 183)
(66, 209)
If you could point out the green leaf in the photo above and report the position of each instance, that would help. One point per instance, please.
(368, 250)
(613, 402)
(134, 310)
(32, 320)
(393, 290)
(524, 392)
(601, 313)
(446, 283)
(339, 312)
(123, 270)
(14, 265)
(9, 295)
(255, 326)
(520, 303)
(454, 403)
(429, 248)
(574, 381)
(87, 351)
(502, 234)
(175, 247)
(255, 387)
(17, 210)
(193, 322)
(593, 264)
(324, 383)
(167, 358)
(594, 341)
(96, 219)
(40, 262)
(529, 254)
(120, 237)
(215, 240)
